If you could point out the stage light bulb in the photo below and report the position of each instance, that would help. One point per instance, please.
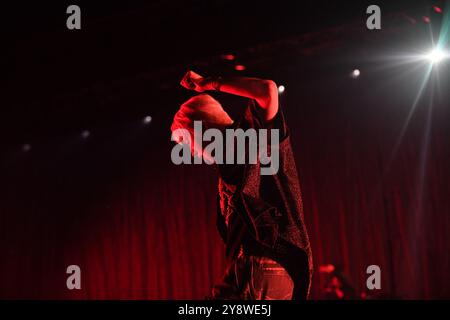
(85, 134)
(355, 73)
(281, 89)
(147, 120)
(436, 56)
(26, 147)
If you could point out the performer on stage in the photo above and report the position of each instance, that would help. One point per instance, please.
(260, 217)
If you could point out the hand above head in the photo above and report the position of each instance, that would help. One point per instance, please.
(194, 81)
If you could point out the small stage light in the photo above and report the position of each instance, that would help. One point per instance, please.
(85, 134)
(436, 56)
(281, 89)
(239, 67)
(437, 9)
(355, 73)
(229, 57)
(327, 268)
(26, 147)
(147, 120)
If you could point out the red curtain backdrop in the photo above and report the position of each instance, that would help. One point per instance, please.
(145, 228)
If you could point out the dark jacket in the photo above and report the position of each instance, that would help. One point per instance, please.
(265, 212)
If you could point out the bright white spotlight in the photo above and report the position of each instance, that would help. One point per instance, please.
(281, 89)
(436, 56)
(355, 73)
(147, 120)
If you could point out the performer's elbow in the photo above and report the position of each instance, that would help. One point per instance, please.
(270, 88)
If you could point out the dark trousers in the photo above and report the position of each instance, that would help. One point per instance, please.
(254, 278)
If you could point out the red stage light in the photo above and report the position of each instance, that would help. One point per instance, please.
(229, 57)
(437, 9)
(239, 67)
(426, 19)
(327, 268)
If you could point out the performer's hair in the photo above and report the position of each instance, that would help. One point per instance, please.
(203, 108)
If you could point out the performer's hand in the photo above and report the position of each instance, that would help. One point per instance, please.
(194, 81)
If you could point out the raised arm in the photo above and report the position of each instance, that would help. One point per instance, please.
(265, 92)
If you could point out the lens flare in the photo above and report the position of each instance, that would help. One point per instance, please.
(436, 56)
